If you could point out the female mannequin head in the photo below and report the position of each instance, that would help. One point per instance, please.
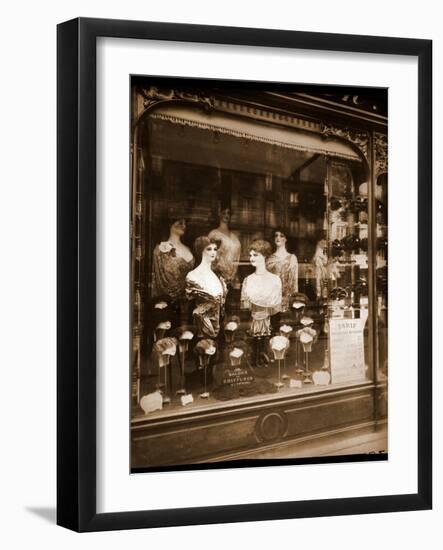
(177, 227)
(224, 208)
(205, 250)
(225, 215)
(279, 238)
(173, 223)
(258, 252)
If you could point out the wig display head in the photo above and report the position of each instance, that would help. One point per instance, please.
(204, 350)
(183, 340)
(306, 321)
(279, 345)
(235, 356)
(307, 337)
(204, 246)
(280, 238)
(262, 247)
(285, 330)
(164, 325)
(232, 324)
(259, 251)
(225, 214)
(164, 349)
(224, 206)
(178, 227)
(173, 222)
(300, 301)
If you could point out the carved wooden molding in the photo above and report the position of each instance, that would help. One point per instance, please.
(381, 153)
(271, 426)
(357, 137)
(154, 95)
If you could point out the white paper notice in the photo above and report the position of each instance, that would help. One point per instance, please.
(346, 350)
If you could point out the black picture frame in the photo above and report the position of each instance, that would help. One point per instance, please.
(76, 281)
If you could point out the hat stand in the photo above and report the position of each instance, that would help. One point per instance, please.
(279, 384)
(307, 373)
(298, 313)
(183, 348)
(284, 376)
(279, 355)
(164, 386)
(204, 362)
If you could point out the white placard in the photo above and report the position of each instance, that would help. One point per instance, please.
(361, 260)
(346, 348)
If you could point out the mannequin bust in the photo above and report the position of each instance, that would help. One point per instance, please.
(261, 293)
(172, 260)
(320, 263)
(228, 255)
(206, 288)
(285, 265)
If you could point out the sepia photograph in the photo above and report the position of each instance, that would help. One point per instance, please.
(259, 274)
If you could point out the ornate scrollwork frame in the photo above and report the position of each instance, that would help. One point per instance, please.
(358, 138)
(152, 96)
(381, 153)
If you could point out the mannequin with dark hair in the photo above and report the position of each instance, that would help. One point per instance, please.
(229, 250)
(285, 265)
(206, 289)
(172, 260)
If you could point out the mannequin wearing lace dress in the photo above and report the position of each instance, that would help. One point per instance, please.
(285, 265)
(207, 289)
(172, 260)
(262, 294)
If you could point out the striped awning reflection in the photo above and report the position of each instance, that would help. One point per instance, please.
(260, 132)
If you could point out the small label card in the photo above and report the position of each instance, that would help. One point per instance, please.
(186, 399)
(151, 402)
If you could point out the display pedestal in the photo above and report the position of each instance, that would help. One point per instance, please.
(307, 374)
(182, 389)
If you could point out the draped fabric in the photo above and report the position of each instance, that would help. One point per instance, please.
(262, 294)
(170, 271)
(262, 290)
(260, 321)
(209, 295)
(286, 268)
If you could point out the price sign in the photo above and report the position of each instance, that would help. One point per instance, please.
(346, 347)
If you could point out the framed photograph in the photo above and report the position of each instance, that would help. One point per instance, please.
(244, 274)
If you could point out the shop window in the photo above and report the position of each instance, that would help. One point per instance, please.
(248, 295)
